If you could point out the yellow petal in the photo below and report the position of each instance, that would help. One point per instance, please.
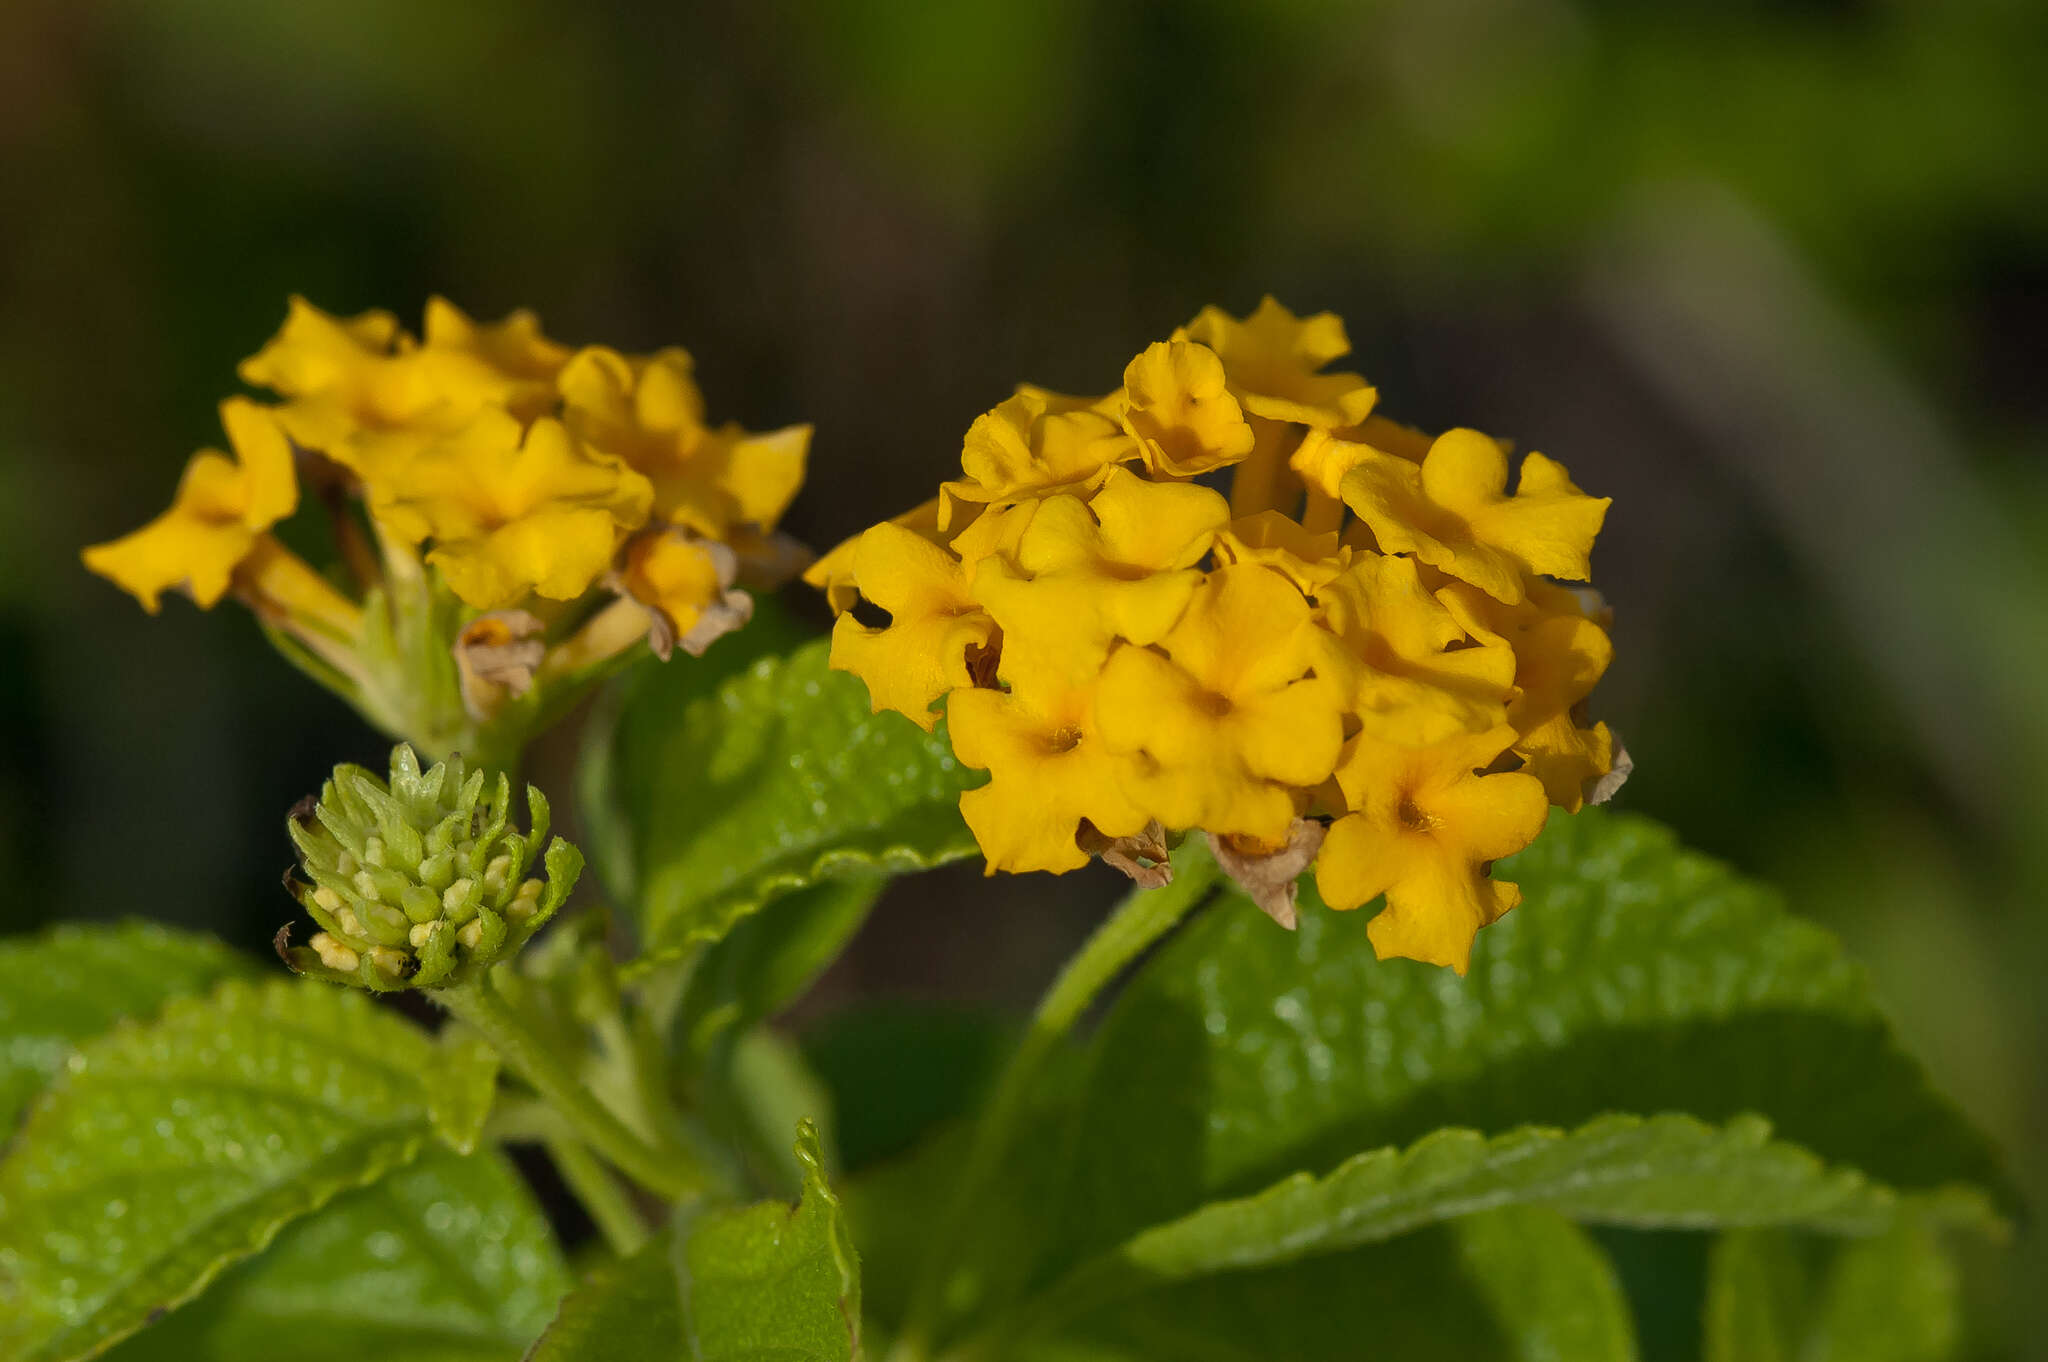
(221, 507)
(1182, 415)
(1281, 545)
(1025, 448)
(555, 551)
(1453, 513)
(1271, 359)
(923, 651)
(763, 472)
(1435, 916)
(1047, 772)
(833, 573)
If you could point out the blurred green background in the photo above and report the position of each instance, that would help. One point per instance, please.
(1775, 277)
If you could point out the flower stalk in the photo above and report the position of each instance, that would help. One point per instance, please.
(667, 1171)
(1143, 918)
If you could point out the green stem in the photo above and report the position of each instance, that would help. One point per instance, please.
(668, 1173)
(1140, 920)
(595, 1185)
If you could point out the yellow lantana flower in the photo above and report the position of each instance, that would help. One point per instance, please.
(1031, 445)
(1454, 513)
(923, 652)
(1226, 716)
(513, 509)
(222, 508)
(1049, 770)
(1181, 412)
(648, 411)
(1085, 574)
(1414, 673)
(1424, 827)
(367, 395)
(1272, 360)
(497, 477)
(1134, 659)
(1560, 654)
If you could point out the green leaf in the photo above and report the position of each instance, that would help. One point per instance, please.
(771, 958)
(612, 774)
(462, 1084)
(778, 779)
(74, 982)
(170, 1150)
(626, 1312)
(1520, 1284)
(1634, 977)
(1777, 1296)
(761, 1283)
(446, 1260)
(1661, 1172)
(764, 1282)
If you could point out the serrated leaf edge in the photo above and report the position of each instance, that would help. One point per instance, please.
(834, 863)
(383, 1153)
(1145, 1260)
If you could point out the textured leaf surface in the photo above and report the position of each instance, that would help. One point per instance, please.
(1634, 977)
(72, 983)
(626, 1312)
(1776, 1296)
(1516, 1285)
(766, 1283)
(1663, 1172)
(446, 1260)
(170, 1150)
(777, 779)
(761, 1283)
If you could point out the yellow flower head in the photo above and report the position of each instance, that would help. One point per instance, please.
(223, 507)
(1396, 699)
(472, 478)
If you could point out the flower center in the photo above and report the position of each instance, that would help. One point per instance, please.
(1414, 818)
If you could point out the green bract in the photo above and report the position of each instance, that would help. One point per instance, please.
(420, 882)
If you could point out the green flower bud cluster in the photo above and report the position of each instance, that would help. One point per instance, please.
(420, 882)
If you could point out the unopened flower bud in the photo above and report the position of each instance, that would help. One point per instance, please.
(420, 881)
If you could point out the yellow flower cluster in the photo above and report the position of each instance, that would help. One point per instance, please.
(1357, 658)
(524, 473)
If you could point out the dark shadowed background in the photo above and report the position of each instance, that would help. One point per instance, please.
(1773, 277)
